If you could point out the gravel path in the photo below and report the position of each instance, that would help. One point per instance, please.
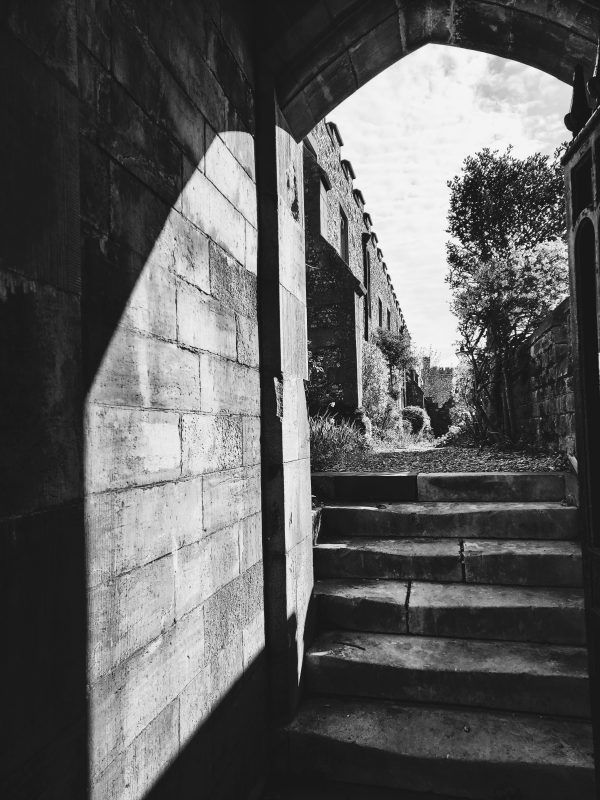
(456, 459)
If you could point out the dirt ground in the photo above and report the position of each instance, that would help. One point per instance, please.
(456, 459)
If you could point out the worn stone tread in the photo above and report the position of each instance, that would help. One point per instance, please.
(467, 753)
(452, 520)
(418, 559)
(524, 563)
(514, 676)
(517, 613)
(491, 486)
(512, 613)
(363, 604)
(514, 562)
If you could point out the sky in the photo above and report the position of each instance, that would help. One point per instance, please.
(407, 133)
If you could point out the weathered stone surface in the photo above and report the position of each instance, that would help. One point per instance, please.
(204, 324)
(496, 487)
(131, 447)
(132, 774)
(496, 612)
(125, 701)
(232, 609)
(363, 604)
(204, 692)
(251, 440)
(128, 613)
(228, 175)
(511, 676)
(201, 569)
(228, 387)
(340, 487)
(210, 443)
(463, 520)
(523, 563)
(231, 496)
(204, 205)
(385, 743)
(250, 538)
(403, 559)
(296, 476)
(144, 372)
(247, 341)
(132, 527)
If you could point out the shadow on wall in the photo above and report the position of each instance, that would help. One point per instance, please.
(153, 322)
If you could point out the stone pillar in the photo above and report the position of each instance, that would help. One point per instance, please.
(283, 359)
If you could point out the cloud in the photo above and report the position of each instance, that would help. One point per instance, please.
(407, 133)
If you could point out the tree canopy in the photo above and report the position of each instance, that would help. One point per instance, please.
(500, 201)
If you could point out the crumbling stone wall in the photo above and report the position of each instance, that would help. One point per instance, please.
(542, 393)
(339, 291)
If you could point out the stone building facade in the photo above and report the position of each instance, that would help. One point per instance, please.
(349, 290)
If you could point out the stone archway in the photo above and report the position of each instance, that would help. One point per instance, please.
(323, 51)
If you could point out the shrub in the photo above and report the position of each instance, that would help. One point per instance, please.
(376, 400)
(333, 442)
(418, 418)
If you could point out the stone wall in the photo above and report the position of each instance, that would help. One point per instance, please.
(340, 291)
(131, 517)
(542, 394)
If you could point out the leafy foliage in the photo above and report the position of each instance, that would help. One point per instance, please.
(418, 418)
(500, 201)
(507, 270)
(396, 348)
(375, 383)
(334, 442)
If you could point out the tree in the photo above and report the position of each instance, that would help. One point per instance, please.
(397, 351)
(507, 267)
(500, 201)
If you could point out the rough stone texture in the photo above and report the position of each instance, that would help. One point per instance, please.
(130, 465)
(523, 563)
(343, 295)
(386, 743)
(510, 676)
(497, 612)
(408, 559)
(461, 520)
(543, 396)
(363, 604)
(323, 52)
(497, 487)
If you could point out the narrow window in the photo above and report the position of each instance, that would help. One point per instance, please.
(389, 320)
(380, 313)
(343, 235)
(324, 211)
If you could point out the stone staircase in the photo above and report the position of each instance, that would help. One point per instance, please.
(451, 658)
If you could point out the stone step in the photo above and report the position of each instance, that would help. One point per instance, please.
(451, 520)
(344, 487)
(466, 753)
(508, 562)
(512, 676)
(523, 563)
(495, 487)
(417, 559)
(463, 611)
